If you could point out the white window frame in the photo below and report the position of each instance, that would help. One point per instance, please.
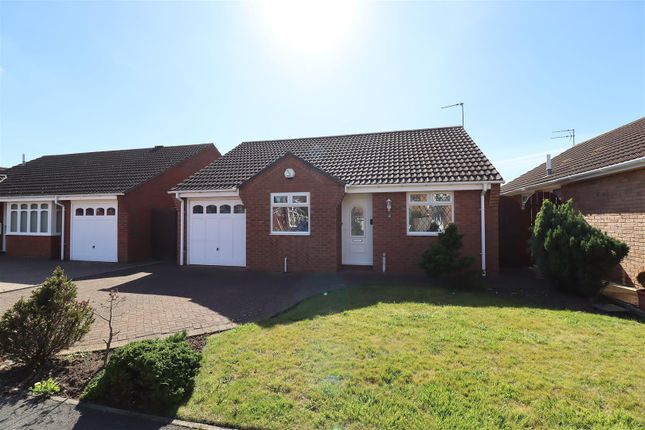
(429, 202)
(51, 218)
(290, 204)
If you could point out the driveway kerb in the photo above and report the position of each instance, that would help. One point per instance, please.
(116, 344)
(156, 418)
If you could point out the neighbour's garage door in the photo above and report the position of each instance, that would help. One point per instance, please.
(94, 231)
(217, 233)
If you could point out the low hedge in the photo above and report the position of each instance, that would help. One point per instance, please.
(151, 375)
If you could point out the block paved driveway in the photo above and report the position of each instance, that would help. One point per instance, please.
(164, 298)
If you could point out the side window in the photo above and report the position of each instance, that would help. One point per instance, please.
(23, 218)
(13, 225)
(44, 218)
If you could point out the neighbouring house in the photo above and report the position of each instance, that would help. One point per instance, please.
(104, 205)
(318, 204)
(605, 177)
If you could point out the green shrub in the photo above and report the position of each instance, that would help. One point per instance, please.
(151, 375)
(45, 388)
(443, 257)
(569, 252)
(33, 330)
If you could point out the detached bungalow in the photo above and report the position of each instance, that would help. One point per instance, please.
(605, 177)
(317, 204)
(100, 203)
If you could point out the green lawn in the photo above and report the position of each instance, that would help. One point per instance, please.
(423, 358)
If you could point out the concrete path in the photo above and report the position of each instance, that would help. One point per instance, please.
(164, 298)
(20, 413)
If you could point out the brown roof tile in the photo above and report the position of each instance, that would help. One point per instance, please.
(616, 146)
(399, 157)
(106, 172)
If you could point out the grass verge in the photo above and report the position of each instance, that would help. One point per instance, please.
(422, 358)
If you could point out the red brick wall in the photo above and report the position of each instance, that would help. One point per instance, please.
(67, 223)
(135, 207)
(178, 209)
(404, 252)
(321, 250)
(33, 246)
(616, 205)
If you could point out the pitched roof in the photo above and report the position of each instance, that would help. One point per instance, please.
(616, 146)
(106, 172)
(397, 157)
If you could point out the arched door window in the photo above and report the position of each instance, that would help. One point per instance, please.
(358, 221)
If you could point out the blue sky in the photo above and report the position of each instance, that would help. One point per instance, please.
(85, 76)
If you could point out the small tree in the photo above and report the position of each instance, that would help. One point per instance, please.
(569, 252)
(107, 314)
(37, 328)
(443, 257)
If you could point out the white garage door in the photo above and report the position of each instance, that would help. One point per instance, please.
(94, 231)
(217, 233)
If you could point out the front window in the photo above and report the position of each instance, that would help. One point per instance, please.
(290, 213)
(29, 218)
(429, 213)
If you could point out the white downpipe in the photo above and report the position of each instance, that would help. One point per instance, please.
(384, 262)
(62, 229)
(285, 264)
(181, 229)
(482, 213)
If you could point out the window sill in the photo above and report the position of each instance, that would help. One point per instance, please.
(289, 233)
(31, 234)
(429, 234)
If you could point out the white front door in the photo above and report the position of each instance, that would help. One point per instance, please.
(94, 231)
(357, 229)
(217, 233)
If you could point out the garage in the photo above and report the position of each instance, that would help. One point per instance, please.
(94, 231)
(217, 233)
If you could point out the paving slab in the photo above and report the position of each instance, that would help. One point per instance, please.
(17, 273)
(163, 299)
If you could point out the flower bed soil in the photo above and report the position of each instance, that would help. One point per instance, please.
(72, 372)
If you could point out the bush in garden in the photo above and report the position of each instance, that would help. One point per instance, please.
(443, 257)
(33, 330)
(151, 375)
(45, 388)
(569, 252)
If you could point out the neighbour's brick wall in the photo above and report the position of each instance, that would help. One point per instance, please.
(135, 208)
(321, 250)
(68, 224)
(404, 252)
(177, 205)
(616, 205)
(33, 246)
